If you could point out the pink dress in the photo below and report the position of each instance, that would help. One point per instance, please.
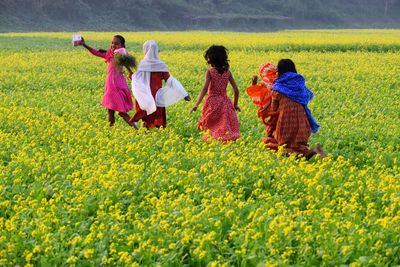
(218, 115)
(117, 95)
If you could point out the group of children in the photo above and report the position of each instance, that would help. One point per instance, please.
(281, 97)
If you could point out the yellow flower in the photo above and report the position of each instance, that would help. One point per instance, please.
(72, 259)
(88, 253)
(28, 257)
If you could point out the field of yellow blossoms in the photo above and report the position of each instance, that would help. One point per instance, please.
(74, 192)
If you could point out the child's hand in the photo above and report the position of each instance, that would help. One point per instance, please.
(130, 74)
(266, 106)
(187, 98)
(82, 42)
(254, 80)
(237, 108)
(194, 108)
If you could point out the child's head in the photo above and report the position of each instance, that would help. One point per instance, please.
(150, 50)
(286, 65)
(268, 73)
(117, 42)
(217, 56)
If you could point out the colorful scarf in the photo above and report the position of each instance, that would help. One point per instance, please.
(293, 86)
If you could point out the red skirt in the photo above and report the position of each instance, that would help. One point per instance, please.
(159, 117)
(292, 127)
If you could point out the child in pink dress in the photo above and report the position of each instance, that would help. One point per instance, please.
(117, 96)
(218, 115)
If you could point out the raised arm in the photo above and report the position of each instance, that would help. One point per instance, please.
(254, 80)
(93, 50)
(235, 92)
(202, 93)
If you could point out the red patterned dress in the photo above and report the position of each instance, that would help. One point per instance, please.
(159, 117)
(218, 114)
(292, 128)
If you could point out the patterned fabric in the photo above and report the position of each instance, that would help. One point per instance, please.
(117, 95)
(159, 117)
(293, 86)
(292, 127)
(268, 73)
(261, 95)
(218, 115)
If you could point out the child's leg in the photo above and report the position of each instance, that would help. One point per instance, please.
(320, 151)
(316, 150)
(127, 118)
(111, 117)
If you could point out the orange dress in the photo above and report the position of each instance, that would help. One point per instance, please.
(159, 117)
(261, 95)
(292, 126)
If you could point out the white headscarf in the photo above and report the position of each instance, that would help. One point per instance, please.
(141, 79)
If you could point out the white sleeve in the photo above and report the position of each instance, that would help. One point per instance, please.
(171, 93)
(142, 92)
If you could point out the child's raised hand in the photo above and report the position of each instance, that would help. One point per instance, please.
(254, 80)
(237, 108)
(82, 42)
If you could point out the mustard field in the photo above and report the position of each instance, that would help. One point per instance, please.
(75, 192)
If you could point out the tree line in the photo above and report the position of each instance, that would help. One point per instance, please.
(249, 15)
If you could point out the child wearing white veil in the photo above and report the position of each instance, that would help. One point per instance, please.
(151, 97)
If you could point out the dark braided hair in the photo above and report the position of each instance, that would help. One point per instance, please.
(286, 65)
(217, 56)
(121, 39)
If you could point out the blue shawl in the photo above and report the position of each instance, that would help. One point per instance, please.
(293, 86)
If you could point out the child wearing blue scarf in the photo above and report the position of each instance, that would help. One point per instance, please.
(295, 124)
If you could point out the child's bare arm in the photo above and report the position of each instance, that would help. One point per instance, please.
(254, 80)
(83, 43)
(92, 50)
(266, 106)
(235, 93)
(202, 93)
(130, 72)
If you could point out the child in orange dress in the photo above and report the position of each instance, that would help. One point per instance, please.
(261, 95)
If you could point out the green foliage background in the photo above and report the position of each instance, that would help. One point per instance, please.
(249, 15)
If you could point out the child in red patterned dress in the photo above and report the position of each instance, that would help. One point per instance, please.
(295, 123)
(218, 115)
